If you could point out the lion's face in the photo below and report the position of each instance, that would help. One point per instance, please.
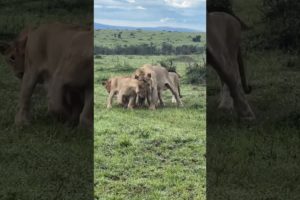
(144, 89)
(107, 85)
(141, 75)
(15, 57)
(14, 53)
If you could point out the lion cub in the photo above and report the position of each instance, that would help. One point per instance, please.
(127, 90)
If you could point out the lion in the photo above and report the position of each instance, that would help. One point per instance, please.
(127, 90)
(158, 79)
(225, 56)
(175, 78)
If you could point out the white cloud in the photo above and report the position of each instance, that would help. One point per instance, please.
(167, 19)
(119, 5)
(140, 8)
(183, 3)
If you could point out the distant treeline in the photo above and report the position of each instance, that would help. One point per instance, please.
(146, 49)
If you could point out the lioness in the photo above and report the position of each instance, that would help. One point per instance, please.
(224, 54)
(35, 57)
(107, 85)
(175, 78)
(158, 79)
(126, 87)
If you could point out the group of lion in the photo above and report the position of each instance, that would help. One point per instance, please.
(146, 83)
(60, 57)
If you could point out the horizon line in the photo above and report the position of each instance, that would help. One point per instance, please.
(143, 27)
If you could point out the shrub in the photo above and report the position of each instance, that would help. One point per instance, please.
(219, 5)
(197, 38)
(195, 73)
(282, 22)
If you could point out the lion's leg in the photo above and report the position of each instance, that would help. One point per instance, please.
(179, 91)
(87, 114)
(120, 97)
(110, 98)
(230, 76)
(148, 100)
(239, 99)
(125, 101)
(140, 101)
(154, 99)
(131, 103)
(28, 84)
(226, 101)
(173, 99)
(161, 103)
(175, 93)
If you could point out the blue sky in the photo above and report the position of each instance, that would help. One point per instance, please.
(150, 13)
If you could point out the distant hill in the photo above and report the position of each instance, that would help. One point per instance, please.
(98, 26)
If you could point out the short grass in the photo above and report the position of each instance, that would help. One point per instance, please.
(259, 160)
(109, 38)
(143, 154)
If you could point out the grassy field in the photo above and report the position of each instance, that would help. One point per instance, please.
(143, 154)
(109, 38)
(258, 160)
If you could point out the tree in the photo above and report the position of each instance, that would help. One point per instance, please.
(282, 24)
(197, 38)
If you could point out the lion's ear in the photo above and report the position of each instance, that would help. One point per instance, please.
(104, 82)
(149, 75)
(3, 47)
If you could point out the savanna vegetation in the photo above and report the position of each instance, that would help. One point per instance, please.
(259, 160)
(139, 42)
(143, 154)
(47, 159)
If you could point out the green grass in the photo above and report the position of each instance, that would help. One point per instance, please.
(258, 160)
(109, 38)
(143, 154)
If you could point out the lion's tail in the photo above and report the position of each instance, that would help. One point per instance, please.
(247, 88)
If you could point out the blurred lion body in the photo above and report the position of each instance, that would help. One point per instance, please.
(53, 53)
(127, 90)
(224, 54)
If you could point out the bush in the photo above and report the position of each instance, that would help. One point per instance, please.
(146, 49)
(219, 5)
(197, 38)
(282, 22)
(195, 73)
